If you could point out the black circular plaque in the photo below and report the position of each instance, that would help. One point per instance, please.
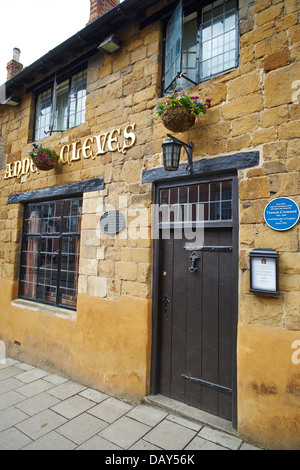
(112, 222)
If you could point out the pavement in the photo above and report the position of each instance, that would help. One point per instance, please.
(43, 411)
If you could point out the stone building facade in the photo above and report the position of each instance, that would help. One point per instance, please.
(113, 160)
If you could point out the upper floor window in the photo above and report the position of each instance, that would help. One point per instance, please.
(200, 42)
(61, 105)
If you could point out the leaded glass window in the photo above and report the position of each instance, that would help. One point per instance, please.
(50, 252)
(61, 106)
(201, 42)
(204, 202)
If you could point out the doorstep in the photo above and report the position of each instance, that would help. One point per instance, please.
(186, 411)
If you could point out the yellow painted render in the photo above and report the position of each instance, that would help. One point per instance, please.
(268, 386)
(106, 347)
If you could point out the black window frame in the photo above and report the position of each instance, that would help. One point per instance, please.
(46, 235)
(50, 84)
(189, 7)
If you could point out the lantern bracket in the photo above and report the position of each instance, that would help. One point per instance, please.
(189, 150)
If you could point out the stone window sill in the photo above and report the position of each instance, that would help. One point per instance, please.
(48, 309)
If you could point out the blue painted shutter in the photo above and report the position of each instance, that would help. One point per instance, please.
(173, 56)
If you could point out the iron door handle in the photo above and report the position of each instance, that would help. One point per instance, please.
(194, 257)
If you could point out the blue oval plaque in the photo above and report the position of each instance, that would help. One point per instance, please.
(281, 213)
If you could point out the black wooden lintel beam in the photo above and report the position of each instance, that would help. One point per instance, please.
(71, 189)
(205, 166)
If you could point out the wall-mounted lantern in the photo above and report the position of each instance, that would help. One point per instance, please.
(171, 153)
(110, 45)
(264, 271)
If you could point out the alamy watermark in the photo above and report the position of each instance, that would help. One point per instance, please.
(155, 221)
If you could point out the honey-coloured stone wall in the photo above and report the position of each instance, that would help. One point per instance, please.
(254, 107)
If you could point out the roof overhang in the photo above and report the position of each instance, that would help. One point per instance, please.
(87, 40)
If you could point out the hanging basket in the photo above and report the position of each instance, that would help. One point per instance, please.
(43, 164)
(178, 118)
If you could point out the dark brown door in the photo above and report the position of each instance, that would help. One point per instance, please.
(197, 297)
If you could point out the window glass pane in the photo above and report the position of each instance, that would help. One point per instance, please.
(193, 193)
(230, 5)
(78, 99)
(206, 13)
(72, 216)
(217, 11)
(229, 41)
(69, 270)
(217, 46)
(226, 191)
(206, 51)
(217, 27)
(173, 196)
(214, 211)
(204, 192)
(206, 68)
(32, 220)
(164, 196)
(29, 266)
(43, 114)
(61, 106)
(229, 59)
(229, 22)
(206, 32)
(183, 194)
(48, 270)
(215, 192)
(217, 64)
(189, 49)
(221, 30)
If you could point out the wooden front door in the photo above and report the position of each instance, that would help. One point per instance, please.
(197, 292)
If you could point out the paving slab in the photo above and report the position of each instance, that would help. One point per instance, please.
(10, 398)
(9, 372)
(45, 411)
(125, 432)
(66, 389)
(40, 424)
(93, 395)
(98, 443)
(51, 441)
(31, 375)
(170, 436)
(13, 439)
(147, 414)
(73, 406)
(221, 438)
(11, 416)
(37, 403)
(202, 444)
(34, 388)
(9, 384)
(111, 409)
(81, 428)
